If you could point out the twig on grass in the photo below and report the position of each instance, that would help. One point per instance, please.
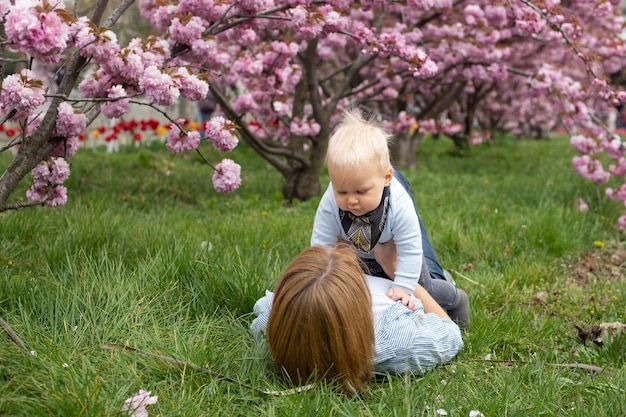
(16, 339)
(114, 346)
(577, 365)
(465, 277)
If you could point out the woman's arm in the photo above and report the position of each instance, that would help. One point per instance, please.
(414, 342)
(262, 309)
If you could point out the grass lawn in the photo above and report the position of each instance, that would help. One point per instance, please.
(147, 254)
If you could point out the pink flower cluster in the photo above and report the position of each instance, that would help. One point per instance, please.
(585, 144)
(70, 122)
(39, 32)
(404, 122)
(116, 108)
(590, 169)
(227, 176)
(21, 92)
(446, 127)
(47, 178)
(67, 148)
(180, 140)
(303, 127)
(222, 133)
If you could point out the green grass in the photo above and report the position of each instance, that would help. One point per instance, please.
(147, 254)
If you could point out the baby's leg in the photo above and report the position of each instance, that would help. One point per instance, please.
(454, 300)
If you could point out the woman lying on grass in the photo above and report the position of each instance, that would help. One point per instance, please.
(326, 320)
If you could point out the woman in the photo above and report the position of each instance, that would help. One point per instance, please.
(326, 320)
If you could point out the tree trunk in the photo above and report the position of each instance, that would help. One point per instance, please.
(404, 150)
(302, 184)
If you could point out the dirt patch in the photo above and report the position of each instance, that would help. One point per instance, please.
(606, 264)
(599, 264)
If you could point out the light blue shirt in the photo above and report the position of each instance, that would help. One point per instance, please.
(402, 226)
(405, 340)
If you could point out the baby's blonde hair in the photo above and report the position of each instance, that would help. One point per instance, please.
(357, 141)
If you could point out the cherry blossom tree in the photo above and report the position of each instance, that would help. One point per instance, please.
(462, 69)
(52, 117)
(282, 72)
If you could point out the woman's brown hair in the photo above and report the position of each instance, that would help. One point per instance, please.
(320, 325)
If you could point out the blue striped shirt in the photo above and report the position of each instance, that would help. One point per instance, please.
(405, 341)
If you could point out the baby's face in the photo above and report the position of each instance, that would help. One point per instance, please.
(360, 190)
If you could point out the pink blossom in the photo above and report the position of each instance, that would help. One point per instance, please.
(222, 134)
(70, 122)
(585, 144)
(257, 129)
(46, 179)
(615, 148)
(159, 87)
(245, 103)
(59, 170)
(619, 169)
(181, 141)
(474, 15)
(211, 11)
(57, 195)
(335, 21)
(227, 176)
(119, 106)
(158, 15)
(191, 87)
(449, 127)
(5, 6)
(67, 148)
(254, 6)
(428, 69)
(618, 194)
(622, 222)
(202, 48)
(94, 84)
(250, 67)
(582, 205)
(305, 127)
(281, 108)
(92, 43)
(188, 31)
(22, 93)
(306, 27)
(36, 193)
(42, 35)
(496, 15)
(404, 122)
(126, 68)
(135, 406)
(529, 23)
(590, 169)
(151, 51)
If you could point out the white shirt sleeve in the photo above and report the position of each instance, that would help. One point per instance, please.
(326, 226)
(261, 308)
(408, 341)
(405, 231)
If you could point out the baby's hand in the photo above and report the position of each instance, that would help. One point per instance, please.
(398, 294)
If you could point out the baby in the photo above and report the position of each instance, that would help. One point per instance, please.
(368, 203)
